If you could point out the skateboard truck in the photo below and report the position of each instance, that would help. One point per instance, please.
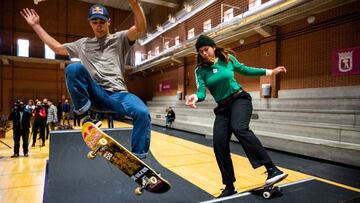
(145, 181)
(268, 191)
(102, 143)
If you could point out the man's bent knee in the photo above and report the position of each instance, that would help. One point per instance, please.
(74, 69)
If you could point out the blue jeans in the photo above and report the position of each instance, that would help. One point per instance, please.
(86, 93)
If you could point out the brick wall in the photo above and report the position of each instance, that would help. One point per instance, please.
(66, 21)
(304, 49)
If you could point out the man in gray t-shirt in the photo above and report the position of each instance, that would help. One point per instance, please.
(98, 81)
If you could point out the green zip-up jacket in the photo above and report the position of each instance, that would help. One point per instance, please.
(220, 78)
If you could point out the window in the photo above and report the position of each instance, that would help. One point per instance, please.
(149, 55)
(177, 40)
(228, 14)
(143, 56)
(49, 54)
(23, 47)
(166, 45)
(191, 33)
(75, 60)
(254, 4)
(138, 57)
(207, 25)
(157, 51)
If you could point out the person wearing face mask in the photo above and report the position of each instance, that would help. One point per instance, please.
(39, 114)
(216, 70)
(21, 128)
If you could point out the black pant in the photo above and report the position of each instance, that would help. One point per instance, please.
(39, 124)
(47, 129)
(169, 121)
(24, 134)
(110, 120)
(234, 117)
(77, 119)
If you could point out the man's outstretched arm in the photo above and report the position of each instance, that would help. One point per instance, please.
(33, 19)
(140, 22)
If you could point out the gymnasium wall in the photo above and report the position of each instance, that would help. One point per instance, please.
(66, 21)
(304, 49)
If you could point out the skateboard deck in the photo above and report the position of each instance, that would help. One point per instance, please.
(266, 190)
(102, 144)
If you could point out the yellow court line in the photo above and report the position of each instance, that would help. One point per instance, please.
(337, 184)
(196, 163)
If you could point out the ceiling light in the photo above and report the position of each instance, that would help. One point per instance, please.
(311, 19)
(187, 7)
(171, 19)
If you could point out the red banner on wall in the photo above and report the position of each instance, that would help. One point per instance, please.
(345, 61)
(166, 85)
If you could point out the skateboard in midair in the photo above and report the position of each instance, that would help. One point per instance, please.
(102, 144)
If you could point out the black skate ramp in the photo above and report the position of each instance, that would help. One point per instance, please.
(72, 177)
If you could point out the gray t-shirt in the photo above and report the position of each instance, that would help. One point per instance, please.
(103, 58)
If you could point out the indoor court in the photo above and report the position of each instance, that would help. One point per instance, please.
(219, 97)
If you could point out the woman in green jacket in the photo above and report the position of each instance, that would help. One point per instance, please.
(215, 71)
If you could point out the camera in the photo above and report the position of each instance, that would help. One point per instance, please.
(18, 105)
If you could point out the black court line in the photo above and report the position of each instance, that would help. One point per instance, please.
(347, 175)
(72, 177)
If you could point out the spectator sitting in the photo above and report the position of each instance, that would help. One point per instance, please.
(170, 117)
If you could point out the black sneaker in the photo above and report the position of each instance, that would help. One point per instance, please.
(274, 176)
(87, 118)
(26, 155)
(15, 156)
(226, 192)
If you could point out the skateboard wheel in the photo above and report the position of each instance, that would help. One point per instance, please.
(152, 180)
(103, 142)
(138, 191)
(266, 194)
(91, 155)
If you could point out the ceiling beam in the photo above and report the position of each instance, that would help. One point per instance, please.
(162, 3)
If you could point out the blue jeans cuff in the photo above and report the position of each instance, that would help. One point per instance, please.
(140, 156)
(83, 109)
